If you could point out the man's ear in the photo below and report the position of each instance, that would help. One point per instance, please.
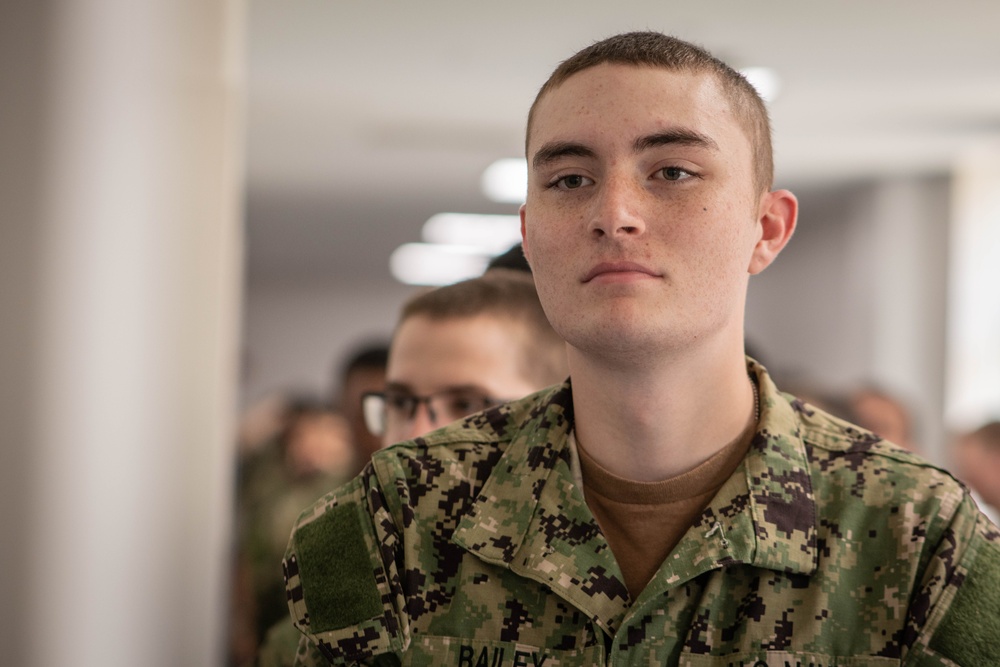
(524, 237)
(777, 216)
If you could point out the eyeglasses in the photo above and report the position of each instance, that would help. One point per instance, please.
(392, 409)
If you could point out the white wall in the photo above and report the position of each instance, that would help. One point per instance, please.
(859, 296)
(799, 309)
(973, 389)
(296, 334)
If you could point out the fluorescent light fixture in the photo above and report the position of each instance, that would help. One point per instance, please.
(506, 181)
(431, 264)
(491, 234)
(765, 80)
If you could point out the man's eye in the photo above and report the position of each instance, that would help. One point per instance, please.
(398, 401)
(465, 405)
(572, 182)
(674, 173)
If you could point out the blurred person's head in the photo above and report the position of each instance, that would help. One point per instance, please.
(464, 347)
(316, 440)
(513, 259)
(883, 414)
(260, 423)
(362, 372)
(977, 458)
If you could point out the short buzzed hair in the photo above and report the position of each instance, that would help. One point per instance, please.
(510, 296)
(372, 355)
(653, 49)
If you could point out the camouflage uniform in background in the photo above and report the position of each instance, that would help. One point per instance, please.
(270, 497)
(474, 547)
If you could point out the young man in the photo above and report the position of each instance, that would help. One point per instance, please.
(462, 348)
(669, 506)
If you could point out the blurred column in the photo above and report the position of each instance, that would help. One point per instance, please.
(21, 36)
(120, 270)
(973, 387)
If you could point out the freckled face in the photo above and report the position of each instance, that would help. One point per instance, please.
(641, 210)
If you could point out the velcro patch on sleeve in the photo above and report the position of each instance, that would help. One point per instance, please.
(969, 632)
(337, 572)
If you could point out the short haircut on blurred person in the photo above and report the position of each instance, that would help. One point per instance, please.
(463, 347)
(503, 294)
(362, 371)
(513, 259)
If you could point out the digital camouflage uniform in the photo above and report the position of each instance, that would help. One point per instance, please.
(474, 547)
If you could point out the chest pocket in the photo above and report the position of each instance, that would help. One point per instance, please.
(431, 651)
(783, 659)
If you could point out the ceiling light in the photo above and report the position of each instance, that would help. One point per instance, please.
(431, 264)
(506, 181)
(765, 80)
(491, 234)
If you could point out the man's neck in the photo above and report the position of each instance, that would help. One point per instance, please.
(661, 420)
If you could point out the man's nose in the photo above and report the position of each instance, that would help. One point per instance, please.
(617, 209)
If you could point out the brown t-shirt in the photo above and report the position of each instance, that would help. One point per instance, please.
(644, 521)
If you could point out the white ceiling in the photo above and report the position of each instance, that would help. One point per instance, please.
(364, 118)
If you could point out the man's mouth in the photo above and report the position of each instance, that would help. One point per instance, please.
(612, 271)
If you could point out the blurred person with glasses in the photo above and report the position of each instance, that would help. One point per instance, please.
(463, 348)
(457, 350)
(391, 413)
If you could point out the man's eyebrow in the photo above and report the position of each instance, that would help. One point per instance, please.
(557, 149)
(678, 136)
(465, 389)
(404, 388)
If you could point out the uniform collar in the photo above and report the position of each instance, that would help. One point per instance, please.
(764, 515)
(531, 516)
(779, 482)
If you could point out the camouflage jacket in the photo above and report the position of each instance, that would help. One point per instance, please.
(474, 547)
